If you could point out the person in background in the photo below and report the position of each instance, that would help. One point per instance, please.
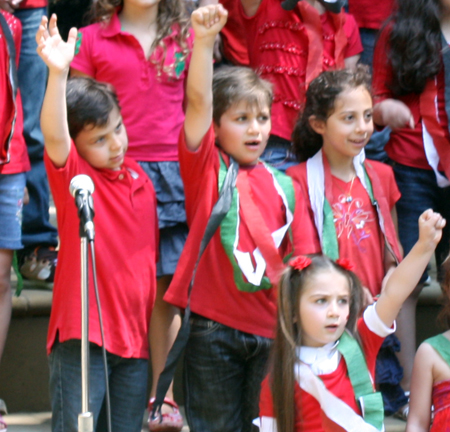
(13, 165)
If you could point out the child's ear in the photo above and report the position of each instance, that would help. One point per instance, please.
(317, 125)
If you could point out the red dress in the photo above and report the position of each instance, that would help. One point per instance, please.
(441, 402)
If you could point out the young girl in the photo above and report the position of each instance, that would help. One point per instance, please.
(430, 383)
(410, 85)
(352, 200)
(143, 49)
(324, 356)
(290, 45)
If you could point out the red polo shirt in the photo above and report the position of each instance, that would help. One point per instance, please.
(126, 252)
(152, 103)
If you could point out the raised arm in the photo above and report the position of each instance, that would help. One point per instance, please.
(207, 22)
(57, 55)
(407, 275)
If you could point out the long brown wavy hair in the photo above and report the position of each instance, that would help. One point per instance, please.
(172, 14)
(288, 336)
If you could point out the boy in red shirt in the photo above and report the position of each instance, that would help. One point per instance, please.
(88, 137)
(233, 301)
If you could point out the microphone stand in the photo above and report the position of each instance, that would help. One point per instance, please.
(85, 418)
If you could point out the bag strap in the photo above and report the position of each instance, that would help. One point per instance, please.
(218, 212)
(371, 402)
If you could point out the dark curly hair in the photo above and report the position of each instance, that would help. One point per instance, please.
(320, 99)
(415, 45)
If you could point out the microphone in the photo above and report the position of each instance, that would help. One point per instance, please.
(81, 187)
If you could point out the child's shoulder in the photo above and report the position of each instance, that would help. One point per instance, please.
(297, 171)
(380, 168)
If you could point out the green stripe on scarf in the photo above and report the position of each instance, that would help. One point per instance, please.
(229, 225)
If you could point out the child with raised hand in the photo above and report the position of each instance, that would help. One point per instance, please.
(430, 382)
(143, 49)
(84, 134)
(324, 354)
(290, 43)
(232, 300)
(351, 199)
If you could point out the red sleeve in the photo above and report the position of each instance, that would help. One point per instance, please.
(199, 170)
(390, 186)
(265, 400)
(354, 45)
(33, 4)
(298, 175)
(305, 238)
(382, 69)
(371, 344)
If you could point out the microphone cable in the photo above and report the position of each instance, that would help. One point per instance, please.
(100, 319)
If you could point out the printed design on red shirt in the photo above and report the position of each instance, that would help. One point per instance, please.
(351, 220)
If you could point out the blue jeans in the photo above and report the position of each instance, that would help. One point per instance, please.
(419, 192)
(223, 371)
(36, 228)
(127, 385)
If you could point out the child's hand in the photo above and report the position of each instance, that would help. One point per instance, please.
(430, 228)
(207, 21)
(393, 113)
(56, 53)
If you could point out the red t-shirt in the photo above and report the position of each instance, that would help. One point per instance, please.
(234, 36)
(33, 4)
(221, 300)
(405, 145)
(151, 103)
(336, 382)
(126, 244)
(357, 226)
(370, 14)
(278, 48)
(19, 161)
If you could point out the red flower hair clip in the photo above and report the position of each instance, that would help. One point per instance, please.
(345, 264)
(300, 262)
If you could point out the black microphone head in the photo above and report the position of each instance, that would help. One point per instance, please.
(81, 181)
(334, 6)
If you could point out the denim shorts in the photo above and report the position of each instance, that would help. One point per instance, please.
(11, 205)
(127, 388)
(173, 228)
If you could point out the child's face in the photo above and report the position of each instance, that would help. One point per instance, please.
(324, 308)
(104, 146)
(349, 127)
(243, 131)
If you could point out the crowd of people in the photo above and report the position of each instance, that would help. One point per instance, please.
(299, 307)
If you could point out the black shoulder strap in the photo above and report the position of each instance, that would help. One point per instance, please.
(218, 212)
